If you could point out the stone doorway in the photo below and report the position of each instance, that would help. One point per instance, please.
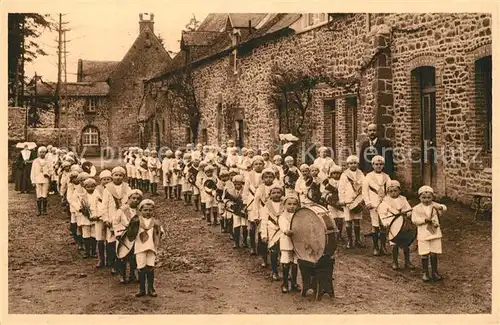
(424, 126)
(158, 136)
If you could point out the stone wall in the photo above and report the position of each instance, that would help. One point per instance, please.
(79, 119)
(16, 127)
(382, 60)
(57, 137)
(145, 59)
(450, 43)
(16, 123)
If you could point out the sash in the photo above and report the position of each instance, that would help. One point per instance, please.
(111, 189)
(375, 191)
(273, 217)
(127, 214)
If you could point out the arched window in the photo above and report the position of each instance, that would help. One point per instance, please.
(90, 137)
(483, 77)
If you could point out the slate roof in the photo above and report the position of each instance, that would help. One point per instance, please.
(198, 38)
(205, 42)
(91, 71)
(74, 89)
(213, 22)
(240, 20)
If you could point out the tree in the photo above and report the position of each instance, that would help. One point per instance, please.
(192, 25)
(24, 29)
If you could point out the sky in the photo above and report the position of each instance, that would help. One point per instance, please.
(107, 36)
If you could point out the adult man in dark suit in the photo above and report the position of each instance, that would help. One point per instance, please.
(376, 146)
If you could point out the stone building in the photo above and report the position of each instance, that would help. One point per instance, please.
(103, 103)
(424, 78)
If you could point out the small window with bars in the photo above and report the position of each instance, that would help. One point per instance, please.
(92, 103)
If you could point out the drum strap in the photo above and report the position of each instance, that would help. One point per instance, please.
(352, 184)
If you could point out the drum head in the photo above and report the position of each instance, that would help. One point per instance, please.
(124, 248)
(308, 235)
(402, 232)
(395, 227)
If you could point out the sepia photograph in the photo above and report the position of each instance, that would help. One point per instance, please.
(203, 162)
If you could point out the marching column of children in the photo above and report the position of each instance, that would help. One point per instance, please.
(251, 197)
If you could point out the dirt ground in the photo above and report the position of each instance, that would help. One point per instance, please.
(199, 273)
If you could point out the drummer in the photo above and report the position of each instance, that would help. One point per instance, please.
(374, 190)
(392, 204)
(350, 184)
(329, 187)
(121, 221)
(303, 184)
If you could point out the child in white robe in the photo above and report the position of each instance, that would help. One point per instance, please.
(114, 196)
(425, 216)
(374, 190)
(200, 179)
(100, 228)
(393, 204)
(154, 170)
(150, 232)
(271, 232)
(121, 221)
(302, 186)
(239, 223)
(88, 210)
(41, 172)
(210, 202)
(288, 257)
(350, 188)
(253, 179)
(290, 176)
(329, 187)
(167, 170)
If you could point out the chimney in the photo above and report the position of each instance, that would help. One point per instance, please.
(143, 22)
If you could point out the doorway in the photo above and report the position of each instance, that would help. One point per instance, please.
(426, 105)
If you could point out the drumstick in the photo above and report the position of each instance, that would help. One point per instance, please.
(396, 215)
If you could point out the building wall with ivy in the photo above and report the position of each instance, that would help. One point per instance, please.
(369, 61)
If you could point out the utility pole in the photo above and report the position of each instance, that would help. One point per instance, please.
(65, 93)
(57, 104)
(57, 110)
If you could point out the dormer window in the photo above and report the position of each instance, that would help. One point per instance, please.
(91, 105)
(310, 21)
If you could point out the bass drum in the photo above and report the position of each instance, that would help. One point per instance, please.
(124, 247)
(314, 233)
(402, 231)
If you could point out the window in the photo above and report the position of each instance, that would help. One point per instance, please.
(90, 136)
(329, 126)
(92, 104)
(310, 19)
(163, 126)
(204, 136)
(315, 19)
(187, 135)
(483, 90)
(351, 109)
